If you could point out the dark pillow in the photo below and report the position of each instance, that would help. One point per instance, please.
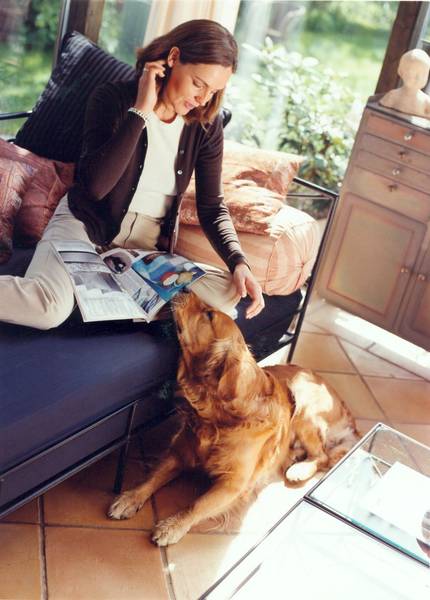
(54, 129)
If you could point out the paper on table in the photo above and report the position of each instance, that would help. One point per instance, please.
(401, 497)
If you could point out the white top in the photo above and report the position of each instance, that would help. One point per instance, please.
(157, 184)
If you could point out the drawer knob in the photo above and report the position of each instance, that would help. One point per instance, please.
(408, 136)
(422, 277)
(403, 153)
(396, 172)
(393, 187)
(404, 270)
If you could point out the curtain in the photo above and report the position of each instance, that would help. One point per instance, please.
(166, 14)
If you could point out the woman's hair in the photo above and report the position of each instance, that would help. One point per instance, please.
(200, 41)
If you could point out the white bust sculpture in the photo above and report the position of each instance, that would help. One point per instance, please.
(414, 67)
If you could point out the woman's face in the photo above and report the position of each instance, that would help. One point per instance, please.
(191, 85)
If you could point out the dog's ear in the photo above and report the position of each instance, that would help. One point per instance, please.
(242, 382)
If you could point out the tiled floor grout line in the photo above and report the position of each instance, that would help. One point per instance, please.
(341, 339)
(388, 377)
(164, 558)
(326, 331)
(102, 527)
(345, 353)
(42, 551)
(390, 362)
(366, 385)
(364, 382)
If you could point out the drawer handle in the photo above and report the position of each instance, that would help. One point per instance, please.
(396, 172)
(393, 187)
(405, 270)
(408, 136)
(421, 277)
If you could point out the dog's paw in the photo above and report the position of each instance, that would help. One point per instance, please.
(125, 507)
(169, 531)
(301, 471)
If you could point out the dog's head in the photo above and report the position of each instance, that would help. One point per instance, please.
(215, 357)
(202, 330)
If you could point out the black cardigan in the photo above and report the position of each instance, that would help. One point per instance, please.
(111, 161)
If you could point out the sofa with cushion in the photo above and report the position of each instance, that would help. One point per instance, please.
(70, 395)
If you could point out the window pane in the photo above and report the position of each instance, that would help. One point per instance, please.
(123, 27)
(305, 72)
(28, 30)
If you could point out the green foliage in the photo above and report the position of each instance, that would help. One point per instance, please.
(40, 27)
(350, 17)
(294, 105)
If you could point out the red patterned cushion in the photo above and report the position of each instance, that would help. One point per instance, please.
(14, 180)
(50, 182)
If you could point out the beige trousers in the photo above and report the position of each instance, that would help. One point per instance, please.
(44, 298)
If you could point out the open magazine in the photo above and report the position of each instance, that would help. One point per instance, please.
(124, 284)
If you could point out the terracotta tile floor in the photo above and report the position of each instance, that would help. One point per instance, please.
(62, 545)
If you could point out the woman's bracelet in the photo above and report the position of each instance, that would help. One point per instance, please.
(140, 113)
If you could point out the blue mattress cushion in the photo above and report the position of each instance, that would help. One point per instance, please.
(53, 383)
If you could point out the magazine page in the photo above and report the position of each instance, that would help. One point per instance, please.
(98, 293)
(401, 497)
(121, 263)
(167, 274)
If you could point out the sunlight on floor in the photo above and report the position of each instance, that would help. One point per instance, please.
(384, 338)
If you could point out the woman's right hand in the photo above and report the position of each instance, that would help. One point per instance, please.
(147, 93)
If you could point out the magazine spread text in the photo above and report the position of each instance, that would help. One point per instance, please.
(124, 284)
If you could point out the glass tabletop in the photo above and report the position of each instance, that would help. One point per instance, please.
(309, 554)
(382, 487)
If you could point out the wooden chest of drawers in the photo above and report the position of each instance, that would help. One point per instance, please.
(377, 262)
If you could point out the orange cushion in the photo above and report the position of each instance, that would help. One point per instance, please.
(255, 184)
(269, 169)
(281, 260)
(50, 182)
(14, 180)
(280, 242)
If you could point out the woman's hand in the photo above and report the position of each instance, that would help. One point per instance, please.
(246, 284)
(147, 93)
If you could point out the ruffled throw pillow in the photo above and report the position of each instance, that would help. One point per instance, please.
(14, 180)
(255, 183)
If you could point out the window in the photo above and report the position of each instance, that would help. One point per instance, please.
(123, 27)
(28, 31)
(305, 72)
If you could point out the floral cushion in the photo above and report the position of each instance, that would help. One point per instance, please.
(50, 182)
(255, 184)
(268, 169)
(14, 180)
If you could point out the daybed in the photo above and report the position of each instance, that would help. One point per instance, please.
(70, 395)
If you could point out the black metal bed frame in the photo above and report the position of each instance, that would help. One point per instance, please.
(123, 442)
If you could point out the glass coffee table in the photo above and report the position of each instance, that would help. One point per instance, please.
(362, 531)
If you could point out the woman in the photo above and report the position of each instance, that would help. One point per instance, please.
(142, 140)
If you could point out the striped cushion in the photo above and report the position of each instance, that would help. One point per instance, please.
(281, 260)
(54, 129)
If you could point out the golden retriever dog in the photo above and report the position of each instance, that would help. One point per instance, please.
(242, 424)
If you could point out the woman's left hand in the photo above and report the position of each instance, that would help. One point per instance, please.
(247, 285)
